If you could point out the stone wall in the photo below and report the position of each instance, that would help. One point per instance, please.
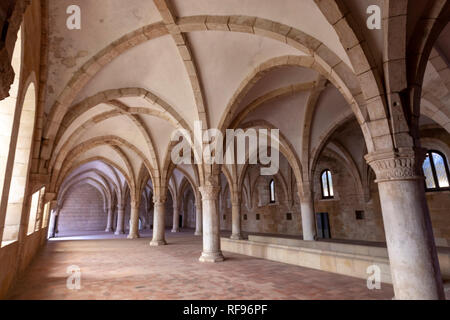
(82, 210)
(347, 200)
(258, 214)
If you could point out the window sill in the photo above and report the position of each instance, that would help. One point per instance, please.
(7, 243)
(329, 200)
(447, 190)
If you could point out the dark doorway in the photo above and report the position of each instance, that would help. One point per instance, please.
(181, 221)
(323, 225)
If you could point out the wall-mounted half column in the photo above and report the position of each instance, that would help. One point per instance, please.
(308, 216)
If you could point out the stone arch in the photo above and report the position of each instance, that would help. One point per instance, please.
(320, 56)
(187, 179)
(102, 117)
(351, 96)
(436, 144)
(93, 182)
(112, 141)
(8, 108)
(11, 21)
(432, 22)
(286, 149)
(99, 178)
(325, 137)
(106, 161)
(21, 165)
(279, 180)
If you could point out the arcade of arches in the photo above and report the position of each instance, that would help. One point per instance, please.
(364, 117)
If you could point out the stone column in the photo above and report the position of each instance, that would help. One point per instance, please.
(159, 225)
(198, 218)
(308, 218)
(109, 227)
(176, 219)
(236, 219)
(412, 252)
(120, 219)
(211, 224)
(134, 220)
(52, 223)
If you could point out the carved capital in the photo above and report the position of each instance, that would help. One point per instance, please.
(159, 202)
(400, 165)
(6, 73)
(209, 192)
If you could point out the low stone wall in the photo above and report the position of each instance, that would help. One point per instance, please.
(15, 258)
(345, 259)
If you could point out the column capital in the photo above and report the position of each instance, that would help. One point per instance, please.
(159, 202)
(135, 204)
(404, 164)
(304, 191)
(210, 190)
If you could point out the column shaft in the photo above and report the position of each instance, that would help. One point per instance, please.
(159, 226)
(120, 220)
(52, 224)
(109, 227)
(134, 221)
(308, 219)
(236, 221)
(198, 219)
(176, 219)
(412, 252)
(211, 225)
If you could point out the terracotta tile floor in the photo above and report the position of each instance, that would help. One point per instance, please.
(117, 268)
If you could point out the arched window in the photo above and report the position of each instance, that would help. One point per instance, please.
(21, 166)
(33, 219)
(7, 110)
(436, 171)
(272, 191)
(327, 185)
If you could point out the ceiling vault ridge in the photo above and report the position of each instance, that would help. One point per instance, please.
(185, 50)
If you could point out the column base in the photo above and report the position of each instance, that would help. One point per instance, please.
(119, 233)
(198, 233)
(133, 236)
(157, 243)
(175, 230)
(109, 230)
(236, 237)
(212, 257)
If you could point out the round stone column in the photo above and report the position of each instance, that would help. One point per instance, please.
(134, 221)
(236, 220)
(198, 218)
(120, 220)
(410, 242)
(52, 223)
(176, 219)
(159, 225)
(308, 218)
(211, 227)
(109, 227)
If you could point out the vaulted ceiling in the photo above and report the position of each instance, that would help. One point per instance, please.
(119, 87)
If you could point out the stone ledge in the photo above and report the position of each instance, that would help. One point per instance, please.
(336, 258)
